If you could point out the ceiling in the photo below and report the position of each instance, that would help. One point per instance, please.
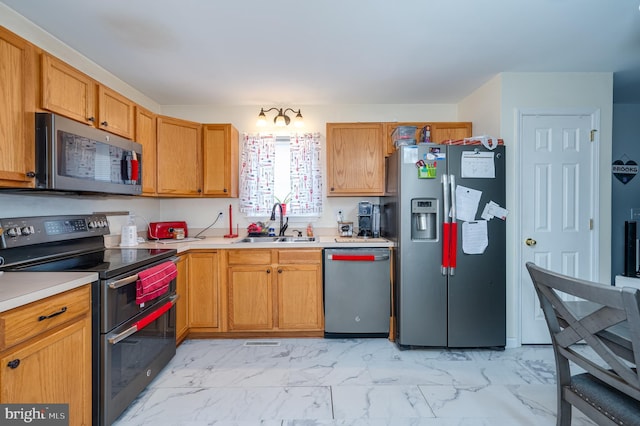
(293, 52)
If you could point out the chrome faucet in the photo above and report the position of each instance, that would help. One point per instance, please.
(273, 217)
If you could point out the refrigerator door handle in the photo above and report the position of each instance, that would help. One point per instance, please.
(453, 232)
(445, 225)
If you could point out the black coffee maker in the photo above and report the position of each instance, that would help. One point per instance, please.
(368, 220)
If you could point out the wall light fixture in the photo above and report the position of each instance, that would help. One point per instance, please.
(281, 119)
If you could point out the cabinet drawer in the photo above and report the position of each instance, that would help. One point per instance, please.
(25, 322)
(299, 256)
(249, 257)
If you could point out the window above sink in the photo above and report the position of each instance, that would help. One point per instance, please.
(275, 168)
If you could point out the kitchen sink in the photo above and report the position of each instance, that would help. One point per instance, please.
(277, 240)
(296, 239)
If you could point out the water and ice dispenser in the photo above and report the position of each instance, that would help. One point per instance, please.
(424, 219)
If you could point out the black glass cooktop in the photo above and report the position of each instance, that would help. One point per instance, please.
(108, 263)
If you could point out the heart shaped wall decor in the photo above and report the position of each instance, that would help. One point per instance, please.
(624, 171)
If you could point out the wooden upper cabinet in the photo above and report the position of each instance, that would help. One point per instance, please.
(67, 91)
(73, 94)
(17, 106)
(146, 135)
(440, 132)
(355, 159)
(179, 157)
(220, 160)
(388, 132)
(115, 112)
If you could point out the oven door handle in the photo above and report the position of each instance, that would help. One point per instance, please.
(124, 281)
(139, 325)
(133, 278)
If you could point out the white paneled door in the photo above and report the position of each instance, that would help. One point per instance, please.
(558, 157)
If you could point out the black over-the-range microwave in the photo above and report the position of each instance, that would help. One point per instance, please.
(75, 157)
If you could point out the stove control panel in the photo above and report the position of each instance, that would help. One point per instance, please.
(25, 231)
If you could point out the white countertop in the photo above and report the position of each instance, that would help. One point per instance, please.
(233, 243)
(21, 288)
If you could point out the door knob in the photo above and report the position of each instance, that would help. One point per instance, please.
(530, 242)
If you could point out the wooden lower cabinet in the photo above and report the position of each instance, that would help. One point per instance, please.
(52, 361)
(204, 291)
(182, 304)
(274, 290)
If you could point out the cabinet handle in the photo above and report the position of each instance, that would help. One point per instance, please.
(91, 119)
(55, 314)
(224, 190)
(13, 363)
(104, 123)
(332, 188)
(268, 271)
(31, 174)
(279, 271)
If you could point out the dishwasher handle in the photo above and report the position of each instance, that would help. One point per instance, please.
(359, 257)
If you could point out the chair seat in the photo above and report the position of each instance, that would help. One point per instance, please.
(612, 403)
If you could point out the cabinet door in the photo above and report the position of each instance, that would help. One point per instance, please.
(454, 131)
(67, 91)
(55, 369)
(204, 305)
(115, 113)
(17, 105)
(355, 159)
(300, 297)
(250, 304)
(179, 157)
(390, 127)
(182, 304)
(220, 160)
(145, 134)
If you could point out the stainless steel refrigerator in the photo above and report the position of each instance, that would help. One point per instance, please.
(449, 282)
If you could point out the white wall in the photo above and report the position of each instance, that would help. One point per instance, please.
(482, 108)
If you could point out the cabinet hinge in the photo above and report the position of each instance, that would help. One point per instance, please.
(592, 135)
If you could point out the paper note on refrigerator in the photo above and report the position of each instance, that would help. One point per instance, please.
(492, 209)
(477, 164)
(467, 201)
(474, 237)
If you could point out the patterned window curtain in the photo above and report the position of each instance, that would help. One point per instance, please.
(256, 174)
(306, 175)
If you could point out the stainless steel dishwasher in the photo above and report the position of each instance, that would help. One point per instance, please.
(357, 292)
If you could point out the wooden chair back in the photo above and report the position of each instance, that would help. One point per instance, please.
(600, 334)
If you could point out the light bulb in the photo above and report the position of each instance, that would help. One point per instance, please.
(280, 121)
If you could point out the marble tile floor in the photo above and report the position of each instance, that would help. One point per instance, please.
(348, 382)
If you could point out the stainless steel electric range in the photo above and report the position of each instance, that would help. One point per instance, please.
(131, 342)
